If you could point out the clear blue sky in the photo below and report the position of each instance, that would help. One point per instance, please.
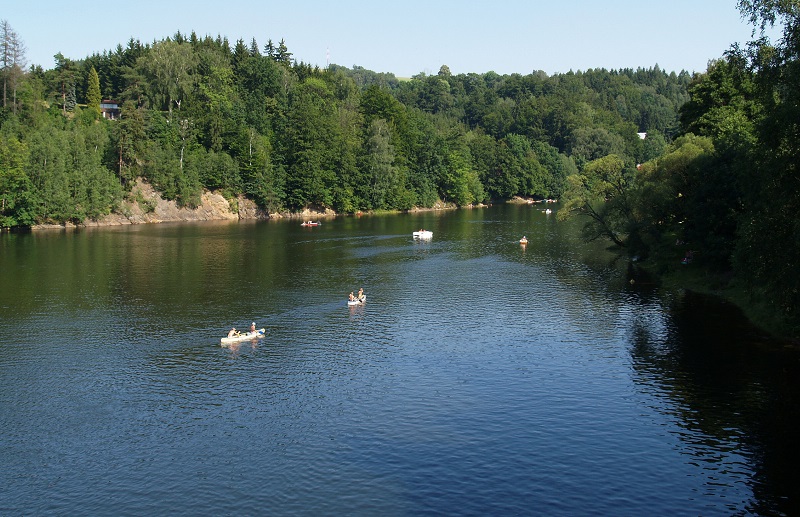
(405, 37)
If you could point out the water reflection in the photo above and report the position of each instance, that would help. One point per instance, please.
(728, 394)
(482, 377)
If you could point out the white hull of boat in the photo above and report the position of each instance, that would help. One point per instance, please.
(424, 234)
(258, 334)
(362, 301)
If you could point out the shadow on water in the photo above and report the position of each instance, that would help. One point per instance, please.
(733, 386)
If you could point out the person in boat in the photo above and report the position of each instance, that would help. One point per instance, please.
(361, 295)
(232, 332)
(253, 327)
(352, 297)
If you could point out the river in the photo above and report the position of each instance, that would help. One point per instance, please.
(481, 377)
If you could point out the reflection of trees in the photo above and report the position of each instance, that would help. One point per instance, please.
(730, 386)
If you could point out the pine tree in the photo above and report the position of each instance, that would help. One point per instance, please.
(254, 48)
(269, 49)
(282, 55)
(71, 99)
(93, 96)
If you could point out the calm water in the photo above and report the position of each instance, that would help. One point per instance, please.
(482, 378)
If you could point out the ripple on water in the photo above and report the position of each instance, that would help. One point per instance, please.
(480, 378)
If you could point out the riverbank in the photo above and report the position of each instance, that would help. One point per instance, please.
(695, 277)
(145, 205)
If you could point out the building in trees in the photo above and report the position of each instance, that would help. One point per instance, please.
(110, 109)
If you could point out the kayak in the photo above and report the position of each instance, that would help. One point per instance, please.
(423, 234)
(362, 301)
(258, 334)
(523, 241)
(311, 224)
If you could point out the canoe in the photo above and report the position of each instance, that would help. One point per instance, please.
(258, 334)
(362, 301)
(523, 241)
(423, 234)
(310, 224)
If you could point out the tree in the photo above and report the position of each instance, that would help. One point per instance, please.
(726, 85)
(93, 96)
(130, 142)
(282, 54)
(168, 67)
(16, 189)
(557, 167)
(600, 193)
(376, 102)
(684, 195)
(215, 93)
(311, 137)
(12, 61)
(461, 183)
(382, 173)
(260, 178)
(768, 253)
(435, 95)
(595, 142)
(65, 74)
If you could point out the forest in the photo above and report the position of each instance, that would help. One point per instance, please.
(648, 158)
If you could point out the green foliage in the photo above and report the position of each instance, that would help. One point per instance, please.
(767, 255)
(311, 141)
(669, 194)
(600, 193)
(384, 178)
(168, 69)
(93, 95)
(199, 113)
(15, 186)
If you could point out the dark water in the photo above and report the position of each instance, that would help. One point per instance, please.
(481, 378)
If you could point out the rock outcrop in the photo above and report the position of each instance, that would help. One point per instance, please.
(145, 205)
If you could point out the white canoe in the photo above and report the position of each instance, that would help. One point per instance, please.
(362, 301)
(258, 334)
(423, 234)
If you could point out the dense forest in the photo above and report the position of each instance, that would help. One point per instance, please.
(200, 113)
(715, 173)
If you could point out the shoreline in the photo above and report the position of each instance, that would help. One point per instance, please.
(145, 205)
(216, 208)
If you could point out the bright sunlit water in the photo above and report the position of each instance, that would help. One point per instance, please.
(481, 377)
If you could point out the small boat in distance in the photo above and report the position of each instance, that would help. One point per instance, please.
(423, 234)
(244, 336)
(360, 301)
(311, 223)
(523, 240)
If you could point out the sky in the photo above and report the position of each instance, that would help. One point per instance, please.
(405, 37)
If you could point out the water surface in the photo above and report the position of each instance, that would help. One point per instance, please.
(481, 377)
